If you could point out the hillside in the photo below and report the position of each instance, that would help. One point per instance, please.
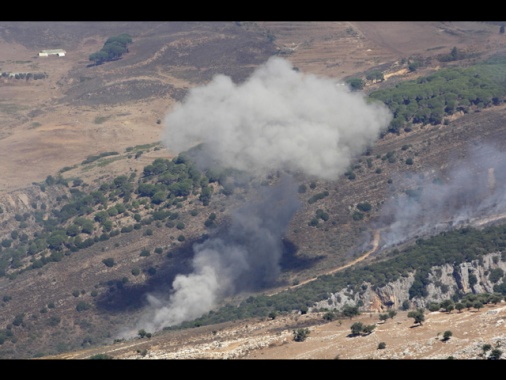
(99, 210)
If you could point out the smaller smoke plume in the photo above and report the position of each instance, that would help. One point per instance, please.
(472, 192)
(243, 257)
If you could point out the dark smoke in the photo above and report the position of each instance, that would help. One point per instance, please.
(243, 257)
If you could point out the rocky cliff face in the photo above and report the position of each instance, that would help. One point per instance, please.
(444, 281)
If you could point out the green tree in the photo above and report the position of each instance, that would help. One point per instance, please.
(495, 354)
(356, 84)
(350, 311)
(109, 262)
(300, 335)
(382, 345)
(448, 305)
(459, 306)
(417, 315)
(356, 328)
(82, 306)
(447, 334)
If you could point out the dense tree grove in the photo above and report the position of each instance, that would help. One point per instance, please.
(87, 216)
(114, 48)
(429, 99)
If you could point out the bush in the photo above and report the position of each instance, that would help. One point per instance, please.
(382, 345)
(447, 334)
(82, 306)
(300, 335)
(365, 206)
(109, 262)
(136, 271)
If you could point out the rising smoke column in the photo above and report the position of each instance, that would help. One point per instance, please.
(473, 190)
(279, 119)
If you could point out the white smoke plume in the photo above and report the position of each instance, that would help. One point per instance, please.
(472, 193)
(279, 119)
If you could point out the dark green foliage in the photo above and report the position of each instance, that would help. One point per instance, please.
(417, 315)
(350, 311)
(357, 215)
(495, 275)
(355, 84)
(428, 99)
(113, 48)
(53, 321)
(82, 306)
(447, 335)
(365, 206)
(109, 262)
(356, 328)
(318, 196)
(100, 357)
(136, 271)
(300, 335)
(382, 345)
(375, 75)
(329, 316)
(145, 252)
(18, 320)
(495, 354)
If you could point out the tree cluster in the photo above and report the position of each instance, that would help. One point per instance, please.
(114, 48)
(429, 99)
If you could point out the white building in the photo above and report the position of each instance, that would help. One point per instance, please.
(47, 53)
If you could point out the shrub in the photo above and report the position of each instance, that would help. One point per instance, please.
(382, 345)
(447, 334)
(109, 262)
(82, 306)
(300, 335)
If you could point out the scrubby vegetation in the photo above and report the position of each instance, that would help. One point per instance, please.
(430, 99)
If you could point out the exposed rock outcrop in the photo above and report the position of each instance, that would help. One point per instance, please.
(444, 282)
